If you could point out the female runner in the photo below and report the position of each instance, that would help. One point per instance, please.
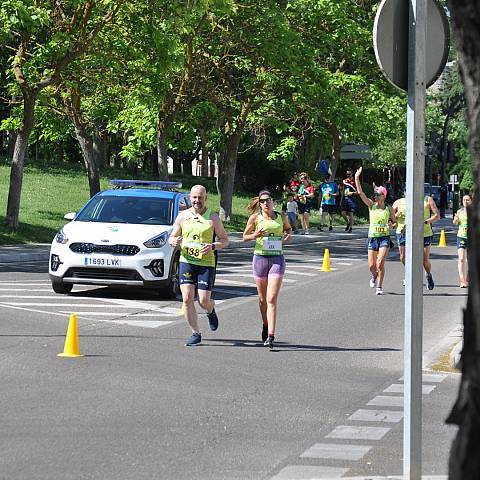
(269, 229)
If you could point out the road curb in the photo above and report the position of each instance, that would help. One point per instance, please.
(456, 354)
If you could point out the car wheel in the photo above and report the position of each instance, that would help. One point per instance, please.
(60, 287)
(173, 289)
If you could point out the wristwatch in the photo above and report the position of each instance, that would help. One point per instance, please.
(213, 246)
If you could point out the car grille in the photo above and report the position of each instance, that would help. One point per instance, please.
(113, 249)
(103, 273)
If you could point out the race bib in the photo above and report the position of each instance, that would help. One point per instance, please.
(272, 245)
(381, 229)
(463, 231)
(192, 250)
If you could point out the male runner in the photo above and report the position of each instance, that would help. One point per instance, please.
(195, 230)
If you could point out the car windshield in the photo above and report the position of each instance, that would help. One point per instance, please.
(120, 209)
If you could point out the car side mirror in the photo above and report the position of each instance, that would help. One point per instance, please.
(70, 216)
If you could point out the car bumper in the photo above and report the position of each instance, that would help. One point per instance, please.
(148, 268)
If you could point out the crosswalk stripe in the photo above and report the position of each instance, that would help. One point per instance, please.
(336, 451)
(399, 388)
(309, 472)
(363, 415)
(347, 432)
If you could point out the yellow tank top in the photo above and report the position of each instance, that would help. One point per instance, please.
(401, 214)
(379, 222)
(270, 244)
(197, 230)
(427, 227)
(463, 223)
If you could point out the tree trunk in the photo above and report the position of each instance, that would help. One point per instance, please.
(163, 130)
(337, 140)
(18, 163)
(86, 145)
(100, 147)
(226, 176)
(464, 461)
(177, 163)
(204, 141)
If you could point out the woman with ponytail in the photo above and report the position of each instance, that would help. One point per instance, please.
(269, 229)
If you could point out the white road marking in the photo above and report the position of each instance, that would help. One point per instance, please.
(123, 314)
(344, 263)
(308, 472)
(386, 401)
(141, 323)
(40, 304)
(347, 432)
(25, 289)
(30, 284)
(294, 272)
(336, 451)
(431, 377)
(363, 415)
(399, 387)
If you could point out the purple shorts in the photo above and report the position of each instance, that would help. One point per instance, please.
(266, 266)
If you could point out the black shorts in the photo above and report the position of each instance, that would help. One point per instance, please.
(328, 209)
(305, 207)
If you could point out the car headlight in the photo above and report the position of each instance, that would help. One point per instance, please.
(60, 237)
(158, 241)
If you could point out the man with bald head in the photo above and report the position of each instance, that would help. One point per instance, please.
(198, 232)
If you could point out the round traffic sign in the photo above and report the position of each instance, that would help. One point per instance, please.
(390, 41)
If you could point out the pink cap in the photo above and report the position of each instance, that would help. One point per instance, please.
(381, 190)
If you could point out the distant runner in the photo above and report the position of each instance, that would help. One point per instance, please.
(430, 215)
(195, 230)
(349, 202)
(269, 229)
(461, 219)
(381, 217)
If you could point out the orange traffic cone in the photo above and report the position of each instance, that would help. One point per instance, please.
(443, 240)
(326, 261)
(72, 346)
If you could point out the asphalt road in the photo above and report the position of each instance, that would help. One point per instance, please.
(327, 402)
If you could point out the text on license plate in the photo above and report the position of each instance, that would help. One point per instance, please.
(102, 262)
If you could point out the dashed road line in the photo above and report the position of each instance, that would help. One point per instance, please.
(364, 415)
(347, 432)
(399, 388)
(335, 451)
(308, 472)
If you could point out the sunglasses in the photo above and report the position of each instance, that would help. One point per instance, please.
(264, 200)
(377, 194)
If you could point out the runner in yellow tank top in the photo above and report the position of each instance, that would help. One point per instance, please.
(194, 231)
(381, 219)
(461, 219)
(269, 229)
(430, 215)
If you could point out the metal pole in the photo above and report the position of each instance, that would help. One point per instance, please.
(412, 438)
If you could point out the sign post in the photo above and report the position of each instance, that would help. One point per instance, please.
(408, 40)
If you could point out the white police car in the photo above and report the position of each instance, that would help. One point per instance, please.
(120, 238)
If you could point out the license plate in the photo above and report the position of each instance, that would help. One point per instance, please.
(102, 262)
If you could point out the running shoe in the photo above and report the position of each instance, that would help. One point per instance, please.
(349, 230)
(195, 339)
(430, 282)
(347, 227)
(379, 291)
(212, 320)
(264, 333)
(330, 228)
(307, 232)
(373, 282)
(269, 342)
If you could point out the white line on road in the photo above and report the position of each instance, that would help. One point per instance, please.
(398, 388)
(386, 401)
(234, 292)
(363, 415)
(123, 314)
(309, 472)
(336, 451)
(347, 432)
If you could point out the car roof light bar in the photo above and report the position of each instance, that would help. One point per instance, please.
(145, 183)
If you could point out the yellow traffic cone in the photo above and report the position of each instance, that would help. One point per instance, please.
(443, 240)
(72, 346)
(326, 261)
